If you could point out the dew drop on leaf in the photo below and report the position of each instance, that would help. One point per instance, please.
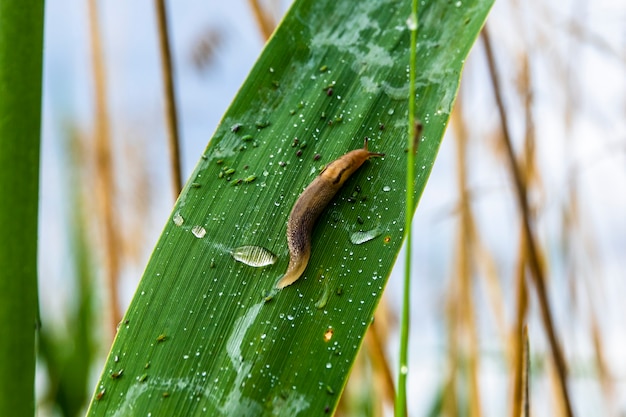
(361, 237)
(198, 231)
(256, 256)
(178, 219)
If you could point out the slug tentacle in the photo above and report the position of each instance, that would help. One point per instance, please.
(310, 205)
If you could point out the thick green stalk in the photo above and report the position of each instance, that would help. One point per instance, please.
(21, 40)
(401, 408)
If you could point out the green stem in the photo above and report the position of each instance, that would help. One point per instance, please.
(401, 408)
(21, 49)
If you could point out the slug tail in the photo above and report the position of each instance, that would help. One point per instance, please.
(294, 271)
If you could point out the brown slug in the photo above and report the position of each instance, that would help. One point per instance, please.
(310, 205)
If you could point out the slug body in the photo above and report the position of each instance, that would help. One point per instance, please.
(310, 205)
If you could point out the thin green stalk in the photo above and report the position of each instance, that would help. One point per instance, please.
(21, 49)
(401, 408)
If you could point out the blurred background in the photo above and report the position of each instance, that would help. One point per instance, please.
(557, 71)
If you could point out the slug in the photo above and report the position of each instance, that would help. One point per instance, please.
(310, 205)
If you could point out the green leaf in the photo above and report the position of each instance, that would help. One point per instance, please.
(200, 337)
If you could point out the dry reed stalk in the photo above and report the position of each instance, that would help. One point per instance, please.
(266, 25)
(525, 376)
(536, 269)
(531, 176)
(450, 406)
(517, 341)
(471, 335)
(573, 228)
(580, 259)
(528, 160)
(171, 114)
(482, 257)
(363, 389)
(464, 274)
(105, 184)
(604, 374)
(376, 334)
(371, 371)
(381, 380)
(487, 264)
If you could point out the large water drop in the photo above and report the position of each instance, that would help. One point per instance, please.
(198, 231)
(256, 256)
(178, 219)
(361, 237)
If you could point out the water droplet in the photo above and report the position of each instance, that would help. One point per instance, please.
(361, 237)
(100, 394)
(198, 231)
(256, 256)
(386, 188)
(329, 365)
(178, 219)
(404, 369)
(411, 22)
